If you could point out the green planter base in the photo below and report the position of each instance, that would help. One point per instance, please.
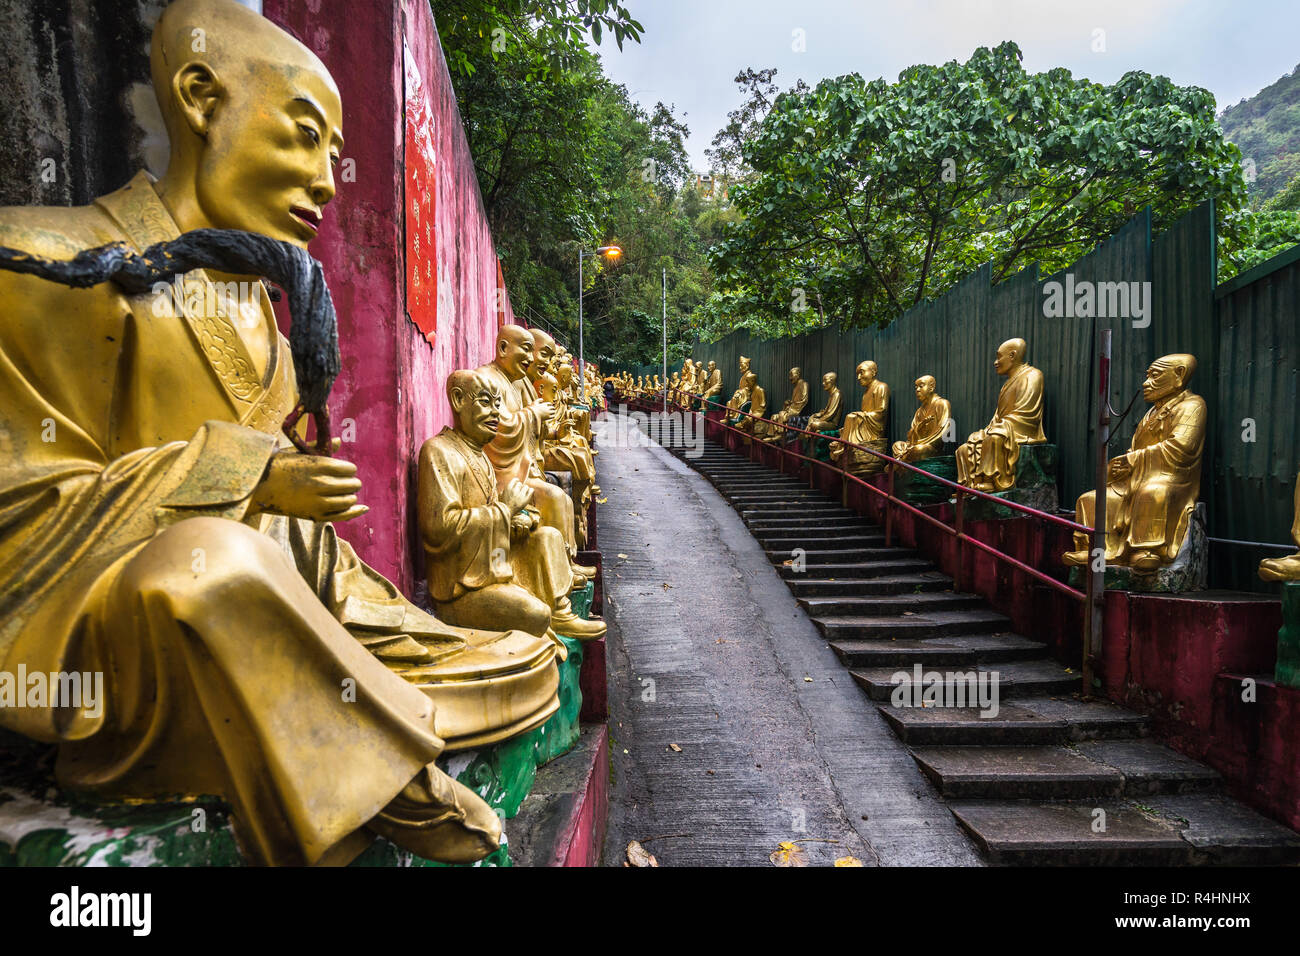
(1288, 638)
(1035, 487)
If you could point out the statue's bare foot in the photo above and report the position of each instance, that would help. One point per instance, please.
(1075, 558)
(1280, 569)
(440, 819)
(1144, 561)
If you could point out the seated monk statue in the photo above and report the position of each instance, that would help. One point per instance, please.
(739, 398)
(490, 561)
(1285, 568)
(711, 387)
(865, 427)
(929, 423)
(793, 407)
(748, 398)
(827, 418)
(1151, 490)
(564, 448)
(516, 450)
(160, 529)
(987, 461)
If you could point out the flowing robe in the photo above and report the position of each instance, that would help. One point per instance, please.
(465, 528)
(987, 461)
(132, 438)
(795, 404)
(865, 427)
(926, 432)
(516, 452)
(1150, 508)
(828, 417)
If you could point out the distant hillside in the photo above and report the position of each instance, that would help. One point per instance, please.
(1266, 127)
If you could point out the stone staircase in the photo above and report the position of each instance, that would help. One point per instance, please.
(1052, 778)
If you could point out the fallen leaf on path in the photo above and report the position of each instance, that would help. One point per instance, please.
(788, 854)
(808, 680)
(601, 501)
(848, 861)
(623, 556)
(637, 855)
(674, 748)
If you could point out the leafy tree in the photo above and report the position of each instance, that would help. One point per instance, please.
(1267, 128)
(868, 197)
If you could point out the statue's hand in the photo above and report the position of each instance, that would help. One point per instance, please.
(309, 486)
(1119, 469)
(545, 409)
(516, 496)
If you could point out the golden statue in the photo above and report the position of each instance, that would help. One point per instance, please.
(1285, 568)
(1151, 490)
(711, 387)
(987, 461)
(827, 418)
(516, 450)
(865, 427)
(793, 406)
(929, 423)
(490, 561)
(568, 455)
(158, 529)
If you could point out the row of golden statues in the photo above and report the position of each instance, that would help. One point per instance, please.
(1152, 489)
(159, 528)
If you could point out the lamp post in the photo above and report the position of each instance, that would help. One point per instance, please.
(611, 253)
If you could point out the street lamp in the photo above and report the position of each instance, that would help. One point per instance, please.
(610, 253)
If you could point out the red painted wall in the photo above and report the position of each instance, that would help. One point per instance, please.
(391, 385)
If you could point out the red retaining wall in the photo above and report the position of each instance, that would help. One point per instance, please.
(391, 385)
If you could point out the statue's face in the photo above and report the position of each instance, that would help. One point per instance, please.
(712, 366)
(828, 381)
(479, 414)
(564, 376)
(924, 389)
(1161, 382)
(1006, 359)
(515, 352)
(547, 387)
(866, 374)
(544, 349)
(794, 376)
(268, 160)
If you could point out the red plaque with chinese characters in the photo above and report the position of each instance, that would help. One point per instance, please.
(421, 203)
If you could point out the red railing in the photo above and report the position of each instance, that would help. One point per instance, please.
(1091, 642)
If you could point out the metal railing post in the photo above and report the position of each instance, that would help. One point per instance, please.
(1094, 618)
(960, 524)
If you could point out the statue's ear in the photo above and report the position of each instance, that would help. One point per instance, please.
(456, 395)
(197, 92)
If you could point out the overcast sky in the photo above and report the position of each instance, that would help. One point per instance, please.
(693, 49)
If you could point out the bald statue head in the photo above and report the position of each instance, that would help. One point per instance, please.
(545, 353)
(925, 386)
(795, 374)
(1167, 376)
(866, 373)
(829, 380)
(476, 404)
(1011, 354)
(515, 352)
(254, 121)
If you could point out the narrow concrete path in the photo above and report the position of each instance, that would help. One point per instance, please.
(709, 652)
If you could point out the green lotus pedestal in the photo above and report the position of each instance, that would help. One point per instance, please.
(1288, 638)
(1035, 487)
(918, 490)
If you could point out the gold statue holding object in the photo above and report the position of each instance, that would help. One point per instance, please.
(987, 460)
(827, 418)
(516, 450)
(929, 423)
(794, 405)
(711, 387)
(1151, 490)
(865, 427)
(490, 561)
(167, 535)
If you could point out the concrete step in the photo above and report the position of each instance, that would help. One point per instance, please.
(918, 626)
(1015, 680)
(956, 651)
(860, 569)
(841, 555)
(844, 523)
(886, 604)
(820, 540)
(913, 583)
(1100, 768)
(1032, 720)
(1192, 829)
